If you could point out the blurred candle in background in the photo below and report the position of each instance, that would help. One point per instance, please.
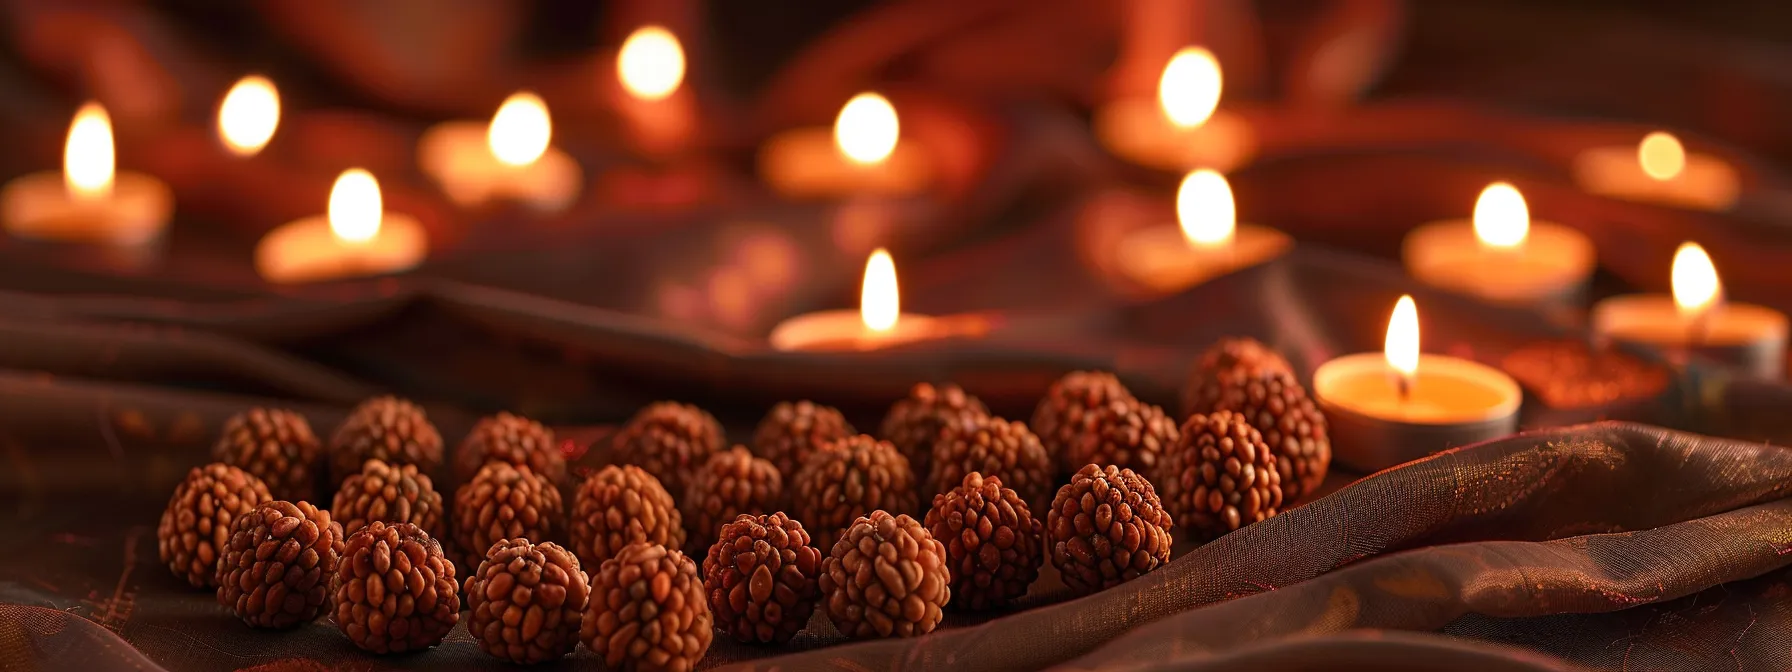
(658, 110)
(89, 201)
(249, 115)
(1182, 128)
(1696, 320)
(1659, 170)
(878, 323)
(356, 236)
(862, 155)
(511, 158)
(1207, 240)
(1501, 254)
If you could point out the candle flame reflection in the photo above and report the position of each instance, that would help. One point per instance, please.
(521, 130)
(867, 129)
(355, 206)
(1205, 209)
(88, 160)
(879, 302)
(249, 115)
(1501, 218)
(1402, 345)
(651, 63)
(1696, 287)
(1661, 156)
(1189, 89)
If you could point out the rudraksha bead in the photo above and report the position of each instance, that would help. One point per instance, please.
(1068, 410)
(390, 493)
(618, 506)
(850, 478)
(195, 527)
(647, 611)
(885, 577)
(384, 428)
(994, 447)
(669, 440)
(526, 600)
(733, 482)
(275, 445)
(1107, 527)
(1220, 476)
(510, 438)
(913, 423)
(993, 542)
(761, 576)
(504, 501)
(394, 589)
(792, 430)
(277, 568)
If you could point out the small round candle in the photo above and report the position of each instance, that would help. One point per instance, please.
(510, 158)
(864, 155)
(249, 115)
(1399, 405)
(1182, 128)
(1696, 320)
(1659, 170)
(1206, 242)
(89, 201)
(1502, 255)
(878, 323)
(356, 237)
(659, 112)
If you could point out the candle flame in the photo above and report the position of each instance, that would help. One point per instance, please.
(866, 130)
(1696, 287)
(520, 131)
(1402, 346)
(248, 116)
(1189, 89)
(88, 160)
(1661, 155)
(651, 64)
(879, 302)
(1501, 218)
(1205, 210)
(355, 206)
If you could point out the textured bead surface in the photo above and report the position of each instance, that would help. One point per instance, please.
(793, 430)
(913, 423)
(390, 493)
(993, 447)
(732, 483)
(384, 428)
(1107, 527)
(618, 506)
(526, 600)
(1224, 363)
(1220, 476)
(1067, 412)
(1123, 432)
(276, 446)
(195, 527)
(394, 589)
(848, 479)
(761, 577)
(885, 577)
(647, 611)
(1290, 423)
(669, 440)
(994, 545)
(506, 437)
(502, 502)
(276, 570)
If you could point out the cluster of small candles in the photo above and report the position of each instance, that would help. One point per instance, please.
(1501, 254)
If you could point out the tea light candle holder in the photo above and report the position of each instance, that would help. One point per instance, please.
(1502, 255)
(878, 323)
(1659, 170)
(864, 155)
(357, 237)
(249, 115)
(1399, 405)
(1696, 321)
(89, 202)
(1182, 129)
(510, 158)
(660, 114)
(1206, 242)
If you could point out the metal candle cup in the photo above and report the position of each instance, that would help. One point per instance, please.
(1659, 170)
(1502, 255)
(1451, 402)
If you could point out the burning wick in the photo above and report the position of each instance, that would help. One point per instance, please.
(1402, 345)
(1696, 289)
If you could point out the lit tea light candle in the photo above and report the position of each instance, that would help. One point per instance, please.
(1399, 405)
(659, 112)
(89, 201)
(1502, 254)
(356, 237)
(1659, 170)
(1182, 128)
(863, 155)
(878, 323)
(1695, 320)
(509, 158)
(249, 115)
(1206, 242)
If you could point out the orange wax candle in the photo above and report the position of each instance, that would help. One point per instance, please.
(659, 112)
(1696, 319)
(510, 158)
(864, 155)
(88, 202)
(1398, 405)
(1182, 129)
(1659, 170)
(1502, 255)
(356, 237)
(878, 323)
(1206, 242)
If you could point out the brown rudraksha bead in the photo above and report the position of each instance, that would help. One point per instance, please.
(195, 527)
(277, 567)
(1107, 527)
(1219, 476)
(913, 423)
(276, 446)
(504, 501)
(1291, 424)
(384, 428)
(850, 478)
(647, 611)
(525, 601)
(733, 482)
(1222, 364)
(669, 440)
(761, 576)
(885, 577)
(993, 542)
(1123, 432)
(394, 589)
(390, 493)
(993, 447)
(792, 430)
(1068, 410)
(510, 438)
(618, 506)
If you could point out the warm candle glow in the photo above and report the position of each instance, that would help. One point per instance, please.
(1696, 287)
(1205, 210)
(1190, 87)
(651, 64)
(249, 115)
(87, 159)
(1402, 345)
(867, 129)
(520, 131)
(1661, 155)
(355, 206)
(879, 302)
(1501, 218)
